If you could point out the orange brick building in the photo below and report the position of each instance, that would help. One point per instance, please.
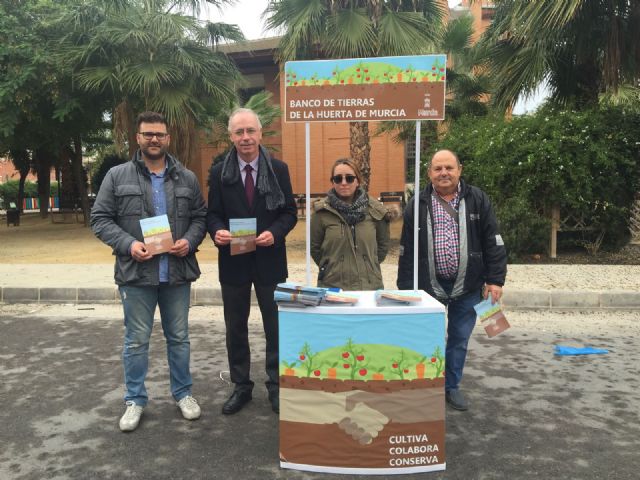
(9, 172)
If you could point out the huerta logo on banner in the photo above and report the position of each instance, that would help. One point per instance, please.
(363, 89)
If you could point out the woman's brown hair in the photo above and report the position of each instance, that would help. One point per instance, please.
(349, 163)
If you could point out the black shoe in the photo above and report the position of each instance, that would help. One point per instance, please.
(456, 399)
(236, 401)
(275, 403)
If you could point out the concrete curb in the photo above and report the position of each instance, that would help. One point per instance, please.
(209, 296)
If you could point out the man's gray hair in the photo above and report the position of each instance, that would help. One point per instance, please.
(243, 110)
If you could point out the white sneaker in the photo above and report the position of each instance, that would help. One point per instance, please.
(189, 407)
(131, 418)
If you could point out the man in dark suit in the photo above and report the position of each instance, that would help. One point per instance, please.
(250, 184)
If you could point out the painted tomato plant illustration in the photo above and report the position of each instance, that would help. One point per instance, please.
(363, 361)
(354, 360)
(306, 358)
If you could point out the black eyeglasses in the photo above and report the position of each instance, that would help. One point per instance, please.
(150, 135)
(337, 179)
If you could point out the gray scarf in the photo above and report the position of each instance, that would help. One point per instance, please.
(267, 183)
(351, 212)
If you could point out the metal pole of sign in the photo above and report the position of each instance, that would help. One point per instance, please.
(307, 203)
(416, 217)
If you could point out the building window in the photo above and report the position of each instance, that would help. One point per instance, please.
(410, 159)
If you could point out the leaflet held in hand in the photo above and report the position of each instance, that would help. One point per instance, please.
(491, 317)
(243, 233)
(157, 234)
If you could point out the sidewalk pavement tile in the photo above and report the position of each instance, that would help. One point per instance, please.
(527, 299)
(98, 295)
(565, 299)
(58, 295)
(20, 294)
(620, 299)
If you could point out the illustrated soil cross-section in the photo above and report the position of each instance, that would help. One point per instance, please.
(362, 388)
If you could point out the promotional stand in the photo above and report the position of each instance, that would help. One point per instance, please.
(362, 387)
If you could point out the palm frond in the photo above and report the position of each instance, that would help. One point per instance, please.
(404, 33)
(350, 33)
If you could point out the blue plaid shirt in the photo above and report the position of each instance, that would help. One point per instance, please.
(446, 237)
(160, 208)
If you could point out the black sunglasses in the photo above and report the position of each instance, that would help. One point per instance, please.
(337, 179)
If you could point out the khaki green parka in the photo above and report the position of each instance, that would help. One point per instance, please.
(349, 257)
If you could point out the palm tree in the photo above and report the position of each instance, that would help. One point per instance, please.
(351, 29)
(583, 49)
(468, 85)
(148, 57)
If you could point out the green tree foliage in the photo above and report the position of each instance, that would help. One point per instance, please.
(66, 66)
(582, 48)
(9, 192)
(150, 56)
(586, 162)
(42, 112)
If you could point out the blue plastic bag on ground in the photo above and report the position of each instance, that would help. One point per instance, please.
(564, 350)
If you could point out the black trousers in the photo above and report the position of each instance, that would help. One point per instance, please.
(237, 304)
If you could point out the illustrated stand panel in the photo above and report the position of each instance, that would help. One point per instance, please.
(362, 388)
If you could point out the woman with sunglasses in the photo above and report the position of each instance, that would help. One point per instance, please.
(349, 233)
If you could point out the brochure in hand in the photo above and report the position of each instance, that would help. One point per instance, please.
(243, 232)
(397, 297)
(157, 234)
(491, 317)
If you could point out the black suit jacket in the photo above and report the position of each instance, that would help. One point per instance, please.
(267, 265)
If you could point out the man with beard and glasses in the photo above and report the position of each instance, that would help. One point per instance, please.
(249, 184)
(152, 184)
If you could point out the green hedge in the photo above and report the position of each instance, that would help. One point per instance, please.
(9, 191)
(586, 162)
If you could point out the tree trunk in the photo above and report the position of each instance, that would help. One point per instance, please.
(360, 149)
(42, 159)
(22, 163)
(23, 179)
(66, 186)
(79, 180)
(124, 128)
(185, 143)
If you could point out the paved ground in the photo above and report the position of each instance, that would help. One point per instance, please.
(534, 415)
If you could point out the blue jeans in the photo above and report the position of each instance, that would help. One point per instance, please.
(461, 318)
(139, 305)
